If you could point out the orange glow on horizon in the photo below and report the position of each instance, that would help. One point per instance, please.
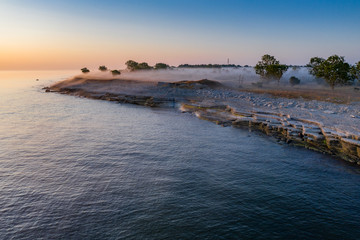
(47, 58)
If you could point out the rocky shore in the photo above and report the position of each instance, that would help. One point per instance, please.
(321, 126)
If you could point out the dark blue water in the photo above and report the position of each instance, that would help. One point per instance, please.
(74, 168)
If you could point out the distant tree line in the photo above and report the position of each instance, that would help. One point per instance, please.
(208, 65)
(133, 66)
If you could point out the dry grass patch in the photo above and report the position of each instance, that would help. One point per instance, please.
(342, 95)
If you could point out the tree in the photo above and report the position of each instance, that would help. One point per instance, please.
(269, 68)
(355, 71)
(334, 70)
(316, 66)
(102, 68)
(85, 70)
(161, 66)
(144, 66)
(115, 72)
(132, 65)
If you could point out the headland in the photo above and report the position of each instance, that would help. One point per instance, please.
(322, 122)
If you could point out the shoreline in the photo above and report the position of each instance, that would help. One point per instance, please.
(321, 126)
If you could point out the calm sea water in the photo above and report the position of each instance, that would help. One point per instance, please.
(75, 168)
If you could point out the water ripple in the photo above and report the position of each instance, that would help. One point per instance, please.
(73, 168)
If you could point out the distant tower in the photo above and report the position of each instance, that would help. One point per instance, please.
(228, 61)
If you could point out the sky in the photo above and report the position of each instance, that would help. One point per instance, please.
(44, 34)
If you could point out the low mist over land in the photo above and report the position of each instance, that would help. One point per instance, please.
(233, 77)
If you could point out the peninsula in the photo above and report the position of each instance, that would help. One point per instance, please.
(330, 125)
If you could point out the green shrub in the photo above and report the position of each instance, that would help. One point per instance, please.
(132, 65)
(294, 81)
(355, 70)
(115, 72)
(144, 66)
(85, 70)
(102, 68)
(161, 66)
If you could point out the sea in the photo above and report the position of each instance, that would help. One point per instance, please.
(77, 168)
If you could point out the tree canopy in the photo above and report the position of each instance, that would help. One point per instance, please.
(269, 68)
(355, 70)
(144, 66)
(294, 81)
(334, 70)
(115, 72)
(102, 68)
(161, 66)
(85, 70)
(207, 65)
(132, 65)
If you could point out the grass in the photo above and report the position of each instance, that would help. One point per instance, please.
(343, 95)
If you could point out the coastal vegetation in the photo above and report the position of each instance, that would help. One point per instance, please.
(133, 66)
(269, 68)
(334, 70)
(355, 70)
(161, 66)
(144, 66)
(103, 68)
(115, 72)
(207, 65)
(85, 70)
(294, 81)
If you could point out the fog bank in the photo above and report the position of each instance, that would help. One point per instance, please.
(233, 77)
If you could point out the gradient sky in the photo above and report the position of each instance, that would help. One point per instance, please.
(44, 34)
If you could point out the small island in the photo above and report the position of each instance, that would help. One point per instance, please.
(325, 119)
